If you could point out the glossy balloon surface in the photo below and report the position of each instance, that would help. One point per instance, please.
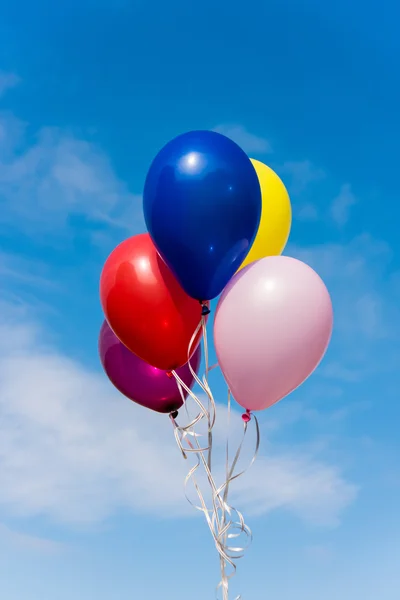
(202, 206)
(139, 381)
(146, 307)
(276, 215)
(272, 327)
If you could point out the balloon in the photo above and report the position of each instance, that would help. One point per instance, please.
(202, 206)
(139, 381)
(146, 307)
(276, 216)
(272, 327)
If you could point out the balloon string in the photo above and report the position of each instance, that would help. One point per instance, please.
(240, 526)
(204, 413)
(220, 517)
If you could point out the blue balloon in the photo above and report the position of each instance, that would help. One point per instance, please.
(202, 207)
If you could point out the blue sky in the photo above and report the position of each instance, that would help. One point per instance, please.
(91, 499)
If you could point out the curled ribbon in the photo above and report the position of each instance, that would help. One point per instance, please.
(225, 522)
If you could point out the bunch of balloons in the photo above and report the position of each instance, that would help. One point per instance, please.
(217, 223)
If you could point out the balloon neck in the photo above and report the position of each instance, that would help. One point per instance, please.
(174, 414)
(204, 309)
(169, 374)
(246, 417)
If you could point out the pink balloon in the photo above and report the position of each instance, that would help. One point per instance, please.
(272, 327)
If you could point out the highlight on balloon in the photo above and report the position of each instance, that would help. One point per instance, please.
(218, 222)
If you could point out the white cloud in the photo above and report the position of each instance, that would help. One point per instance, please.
(16, 270)
(301, 173)
(249, 142)
(353, 272)
(366, 313)
(7, 81)
(341, 205)
(319, 553)
(307, 212)
(73, 450)
(304, 486)
(334, 370)
(46, 183)
(339, 211)
(31, 543)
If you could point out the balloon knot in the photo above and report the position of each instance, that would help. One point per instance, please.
(204, 309)
(246, 417)
(174, 414)
(169, 374)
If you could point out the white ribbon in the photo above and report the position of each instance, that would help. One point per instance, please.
(225, 522)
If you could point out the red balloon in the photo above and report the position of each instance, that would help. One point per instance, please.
(146, 307)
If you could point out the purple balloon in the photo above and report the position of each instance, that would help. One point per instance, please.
(139, 381)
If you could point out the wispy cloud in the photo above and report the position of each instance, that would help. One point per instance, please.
(319, 553)
(249, 142)
(354, 272)
(72, 449)
(333, 370)
(302, 485)
(338, 212)
(17, 270)
(366, 312)
(7, 81)
(301, 174)
(45, 185)
(307, 212)
(31, 543)
(341, 205)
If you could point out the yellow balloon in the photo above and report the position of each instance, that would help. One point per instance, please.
(276, 216)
